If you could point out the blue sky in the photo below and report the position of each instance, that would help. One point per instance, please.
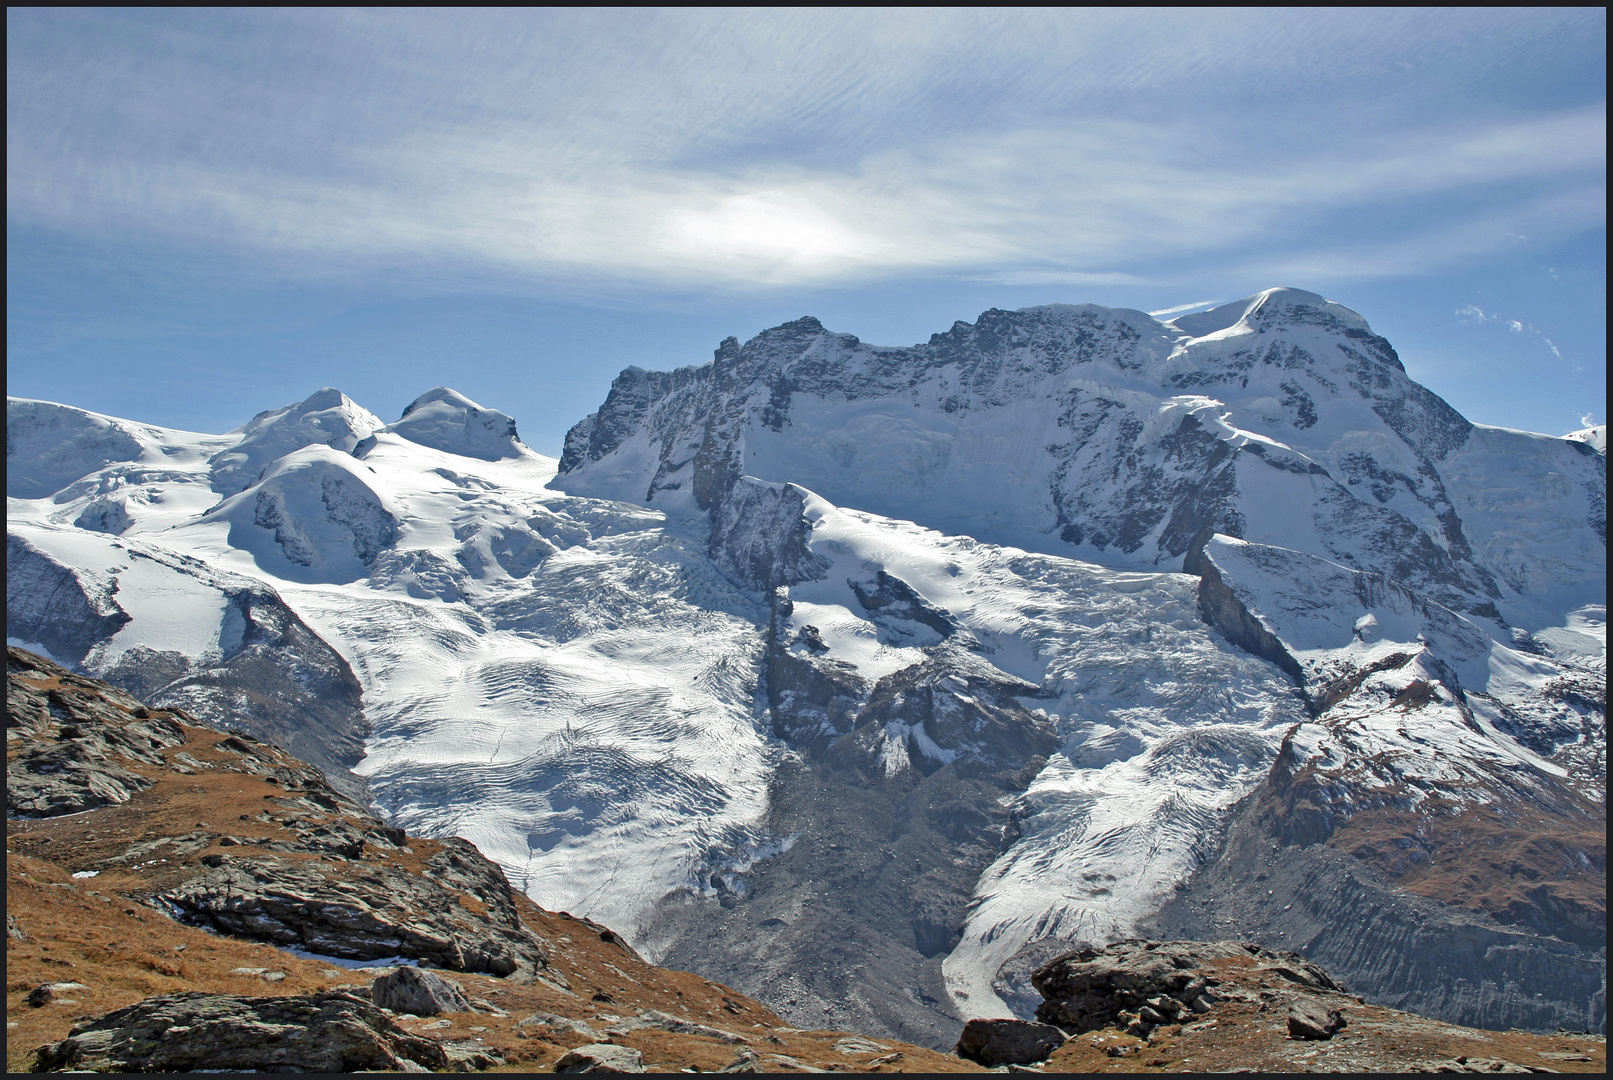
(211, 213)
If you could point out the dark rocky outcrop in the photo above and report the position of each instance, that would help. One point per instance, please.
(372, 914)
(67, 611)
(759, 534)
(332, 1032)
(53, 992)
(1008, 1042)
(1139, 985)
(1220, 607)
(71, 738)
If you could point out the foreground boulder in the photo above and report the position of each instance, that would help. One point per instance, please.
(59, 992)
(331, 1032)
(370, 914)
(1139, 985)
(1312, 1020)
(1008, 1042)
(419, 993)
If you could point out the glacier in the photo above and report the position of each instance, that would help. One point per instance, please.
(944, 657)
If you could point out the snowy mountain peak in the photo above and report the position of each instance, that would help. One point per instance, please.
(446, 420)
(49, 446)
(1594, 437)
(327, 417)
(444, 394)
(312, 516)
(1270, 306)
(1095, 433)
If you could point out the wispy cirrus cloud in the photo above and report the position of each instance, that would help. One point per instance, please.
(737, 150)
(1473, 313)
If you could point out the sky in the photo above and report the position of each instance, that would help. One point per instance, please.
(211, 213)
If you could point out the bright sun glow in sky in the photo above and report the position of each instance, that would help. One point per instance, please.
(215, 212)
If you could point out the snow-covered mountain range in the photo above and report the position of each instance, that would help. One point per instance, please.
(862, 678)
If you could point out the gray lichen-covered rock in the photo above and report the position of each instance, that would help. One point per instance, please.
(420, 993)
(605, 1058)
(377, 913)
(331, 1032)
(677, 1024)
(566, 1026)
(71, 734)
(1008, 1042)
(1312, 1020)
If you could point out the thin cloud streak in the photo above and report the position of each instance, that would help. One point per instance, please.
(1087, 205)
(744, 150)
(1186, 307)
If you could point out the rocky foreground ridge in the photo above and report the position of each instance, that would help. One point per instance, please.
(181, 899)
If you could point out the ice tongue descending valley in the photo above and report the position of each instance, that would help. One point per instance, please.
(865, 678)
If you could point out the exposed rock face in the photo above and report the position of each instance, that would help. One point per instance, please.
(1008, 1042)
(1221, 608)
(334, 1032)
(70, 738)
(1401, 949)
(67, 611)
(420, 993)
(601, 1059)
(758, 534)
